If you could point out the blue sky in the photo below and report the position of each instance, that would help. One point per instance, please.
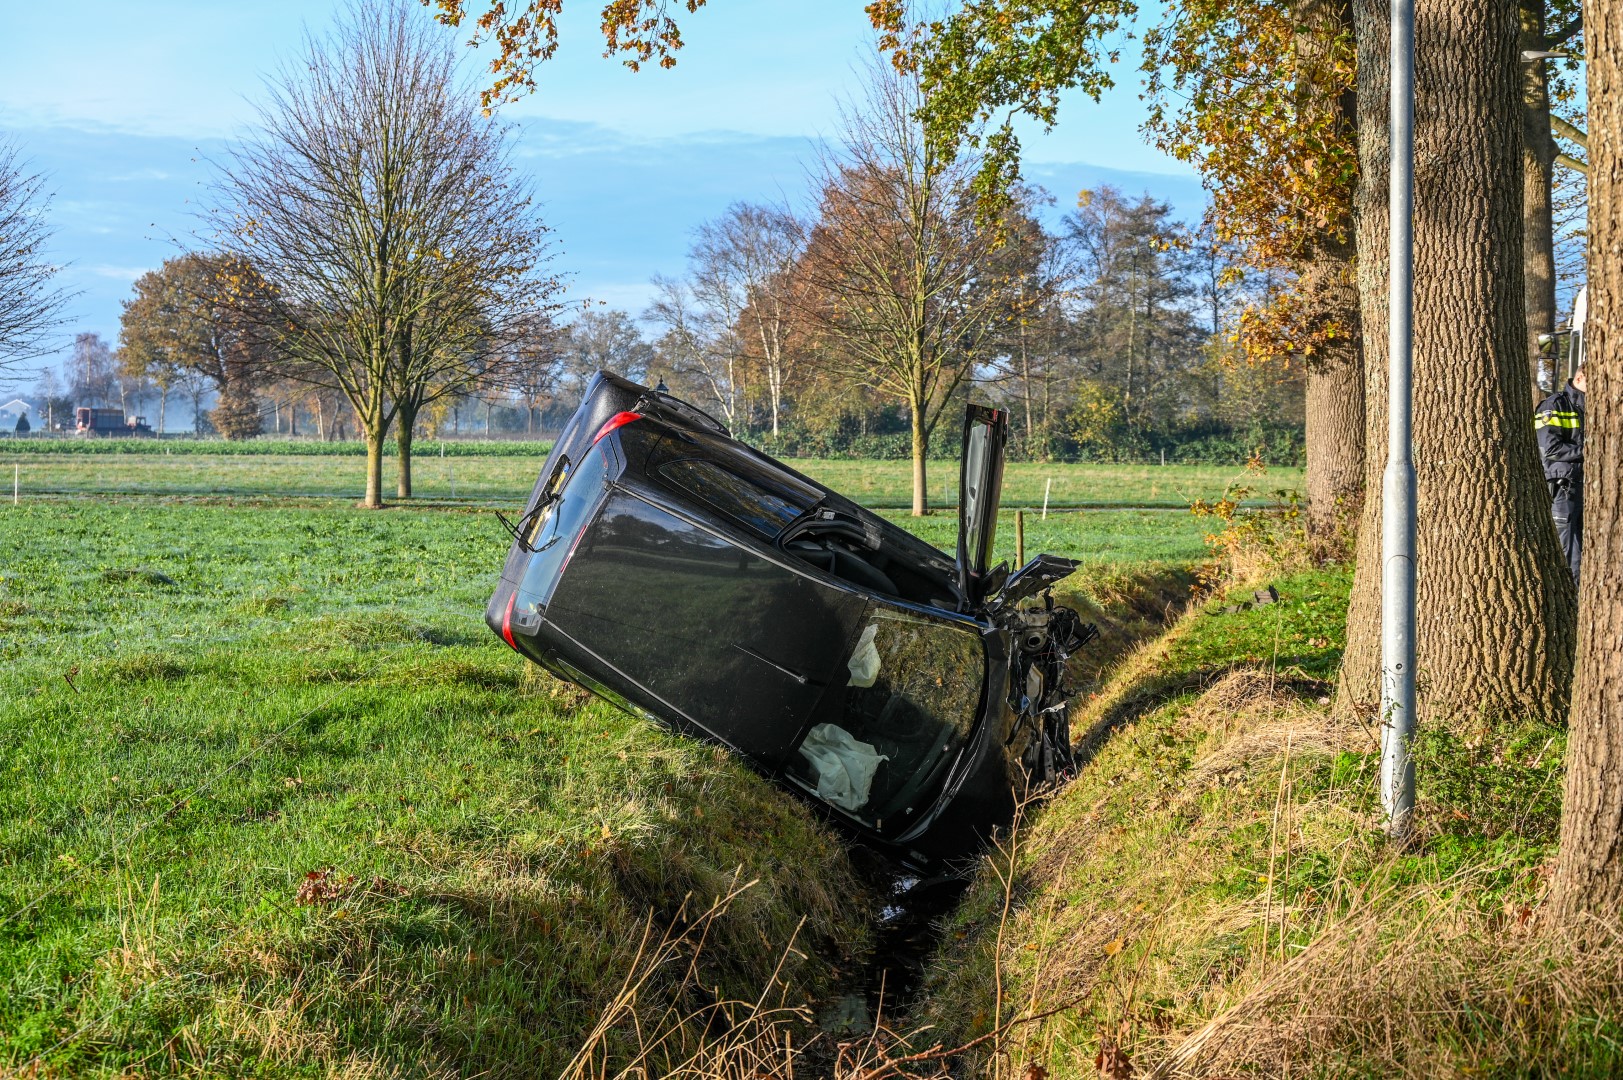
(124, 108)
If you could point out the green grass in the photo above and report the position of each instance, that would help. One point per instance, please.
(201, 706)
(890, 483)
(205, 701)
(1093, 536)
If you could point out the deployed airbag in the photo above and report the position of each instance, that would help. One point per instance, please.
(842, 766)
(864, 662)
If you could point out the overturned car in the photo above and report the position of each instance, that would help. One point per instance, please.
(692, 580)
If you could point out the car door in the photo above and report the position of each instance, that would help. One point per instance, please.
(733, 642)
(980, 485)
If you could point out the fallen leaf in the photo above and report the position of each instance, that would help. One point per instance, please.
(1113, 1062)
(1114, 947)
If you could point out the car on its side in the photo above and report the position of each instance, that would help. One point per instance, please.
(697, 582)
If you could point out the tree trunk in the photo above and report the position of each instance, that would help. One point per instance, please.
(406, 419)
(374, 469)
(1589, 867)
(921, 449)
(1326, 283)
(1538, 171)
(163, 403)
(1495, 611)
(1335, 438)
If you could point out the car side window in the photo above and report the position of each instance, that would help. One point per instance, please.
(752, 505)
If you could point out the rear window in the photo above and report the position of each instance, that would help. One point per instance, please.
(752, 505)
(558, 523)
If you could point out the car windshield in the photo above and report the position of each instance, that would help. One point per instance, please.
(910, 701)
(566, 507)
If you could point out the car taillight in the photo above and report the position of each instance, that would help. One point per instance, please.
(507, 622)
(618, 420)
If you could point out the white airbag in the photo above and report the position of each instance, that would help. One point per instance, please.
(842, 766)
(864, 662)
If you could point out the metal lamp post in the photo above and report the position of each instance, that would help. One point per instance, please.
(1398, 489)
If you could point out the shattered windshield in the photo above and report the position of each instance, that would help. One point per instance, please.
(910, 700)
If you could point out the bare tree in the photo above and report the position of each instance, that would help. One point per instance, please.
(91, 371)
(30, 308)
(903, 279)
(534, 368)
(602, 340)
(740, 266)
(383, 209)
(700, 346)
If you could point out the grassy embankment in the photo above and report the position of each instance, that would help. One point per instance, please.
(202, 707)
(1214, 895)
(202, 703)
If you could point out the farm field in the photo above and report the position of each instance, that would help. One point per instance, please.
(268, 781)
(508, 479)
(263, 761)
(203, 703)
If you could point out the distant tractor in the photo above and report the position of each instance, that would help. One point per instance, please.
(88, 421)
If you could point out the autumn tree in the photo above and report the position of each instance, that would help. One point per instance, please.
(1495, 606)
(198, 313)
(1135, 329)
(904, 279)
(30, 305)
(1260, 98)
(525, 32)
(1589, 866)
(383, 210)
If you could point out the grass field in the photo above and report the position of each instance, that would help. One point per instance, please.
(507, 480)
(274, 801)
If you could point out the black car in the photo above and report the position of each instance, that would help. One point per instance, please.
(695, 581)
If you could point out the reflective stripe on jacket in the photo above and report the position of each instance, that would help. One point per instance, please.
(1558, 423)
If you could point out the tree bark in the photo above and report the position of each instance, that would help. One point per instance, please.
(1538, 171)
(1335, 435)
(1495, 607)
(1589, 867)
(374, 470)
(921, 449)
(406, 419)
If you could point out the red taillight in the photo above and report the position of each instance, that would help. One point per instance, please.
(618, 420)
(507, 622)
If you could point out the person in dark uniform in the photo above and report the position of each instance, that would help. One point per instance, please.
(1559, 424)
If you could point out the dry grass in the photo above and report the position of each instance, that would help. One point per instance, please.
(1217, 888)
(665, 1023)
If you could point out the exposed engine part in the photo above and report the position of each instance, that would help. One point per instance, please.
(1047, 635)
